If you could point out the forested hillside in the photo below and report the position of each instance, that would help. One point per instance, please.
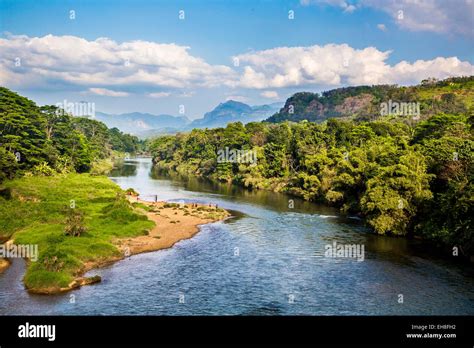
(45, 140)
(404, 177)
(362, 103)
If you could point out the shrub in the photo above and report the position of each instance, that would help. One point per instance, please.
(131, 192)
(43, 169)
(74, 223)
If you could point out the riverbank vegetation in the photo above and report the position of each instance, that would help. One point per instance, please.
(73, 218)
(407, 176)
(46, 140)
(52, 196)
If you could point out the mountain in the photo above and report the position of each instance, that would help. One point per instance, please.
(364, 103)
(147, 125)
(138, 123)
(234, 111)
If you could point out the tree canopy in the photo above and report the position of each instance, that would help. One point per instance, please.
(46, 137)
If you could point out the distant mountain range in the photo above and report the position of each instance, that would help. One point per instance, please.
(148, 125)
(141, 123)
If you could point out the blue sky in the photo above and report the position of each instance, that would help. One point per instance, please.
(328, 44)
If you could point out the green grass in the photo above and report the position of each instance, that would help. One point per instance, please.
(36, 214)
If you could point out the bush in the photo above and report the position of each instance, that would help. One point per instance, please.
(131, 192)
(63, 165)
(74, 223)
(101, 167)
(43, 169)
(121, 210)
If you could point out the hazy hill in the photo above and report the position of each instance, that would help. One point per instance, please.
(138, 123)
(147, 125)
(234, 111)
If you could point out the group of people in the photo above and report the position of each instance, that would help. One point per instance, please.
(193, 205)
(210, 205)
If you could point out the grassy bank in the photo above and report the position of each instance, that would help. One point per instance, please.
(36, 210)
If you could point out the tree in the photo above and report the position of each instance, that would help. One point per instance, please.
(392, 197)
(8, 164)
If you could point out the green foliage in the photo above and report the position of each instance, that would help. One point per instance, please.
(34, 214)
(362, 103)
(8, 164)
(123, 142)
(43, 169)
(404, 179)
(131, 191)
(102, 166)
(393, 195)
(46, 140)
(121, 210)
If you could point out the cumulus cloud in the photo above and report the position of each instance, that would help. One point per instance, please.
(440, 16)
(333, 65)
(72, 60)
(105, 67)
(108, 93)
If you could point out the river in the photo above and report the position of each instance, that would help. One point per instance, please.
(267, 260)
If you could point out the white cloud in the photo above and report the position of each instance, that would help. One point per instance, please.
(70, 60)
(104, 67)
(270, 94)
(159, 94)
(440, 16)
(108, 92)
(439, 68)
(333, 65)
(382, 27)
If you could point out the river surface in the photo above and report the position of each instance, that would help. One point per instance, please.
(268, 260)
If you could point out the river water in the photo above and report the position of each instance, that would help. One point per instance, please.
(268, 260)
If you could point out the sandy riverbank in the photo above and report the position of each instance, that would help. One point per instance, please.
(173, 223)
